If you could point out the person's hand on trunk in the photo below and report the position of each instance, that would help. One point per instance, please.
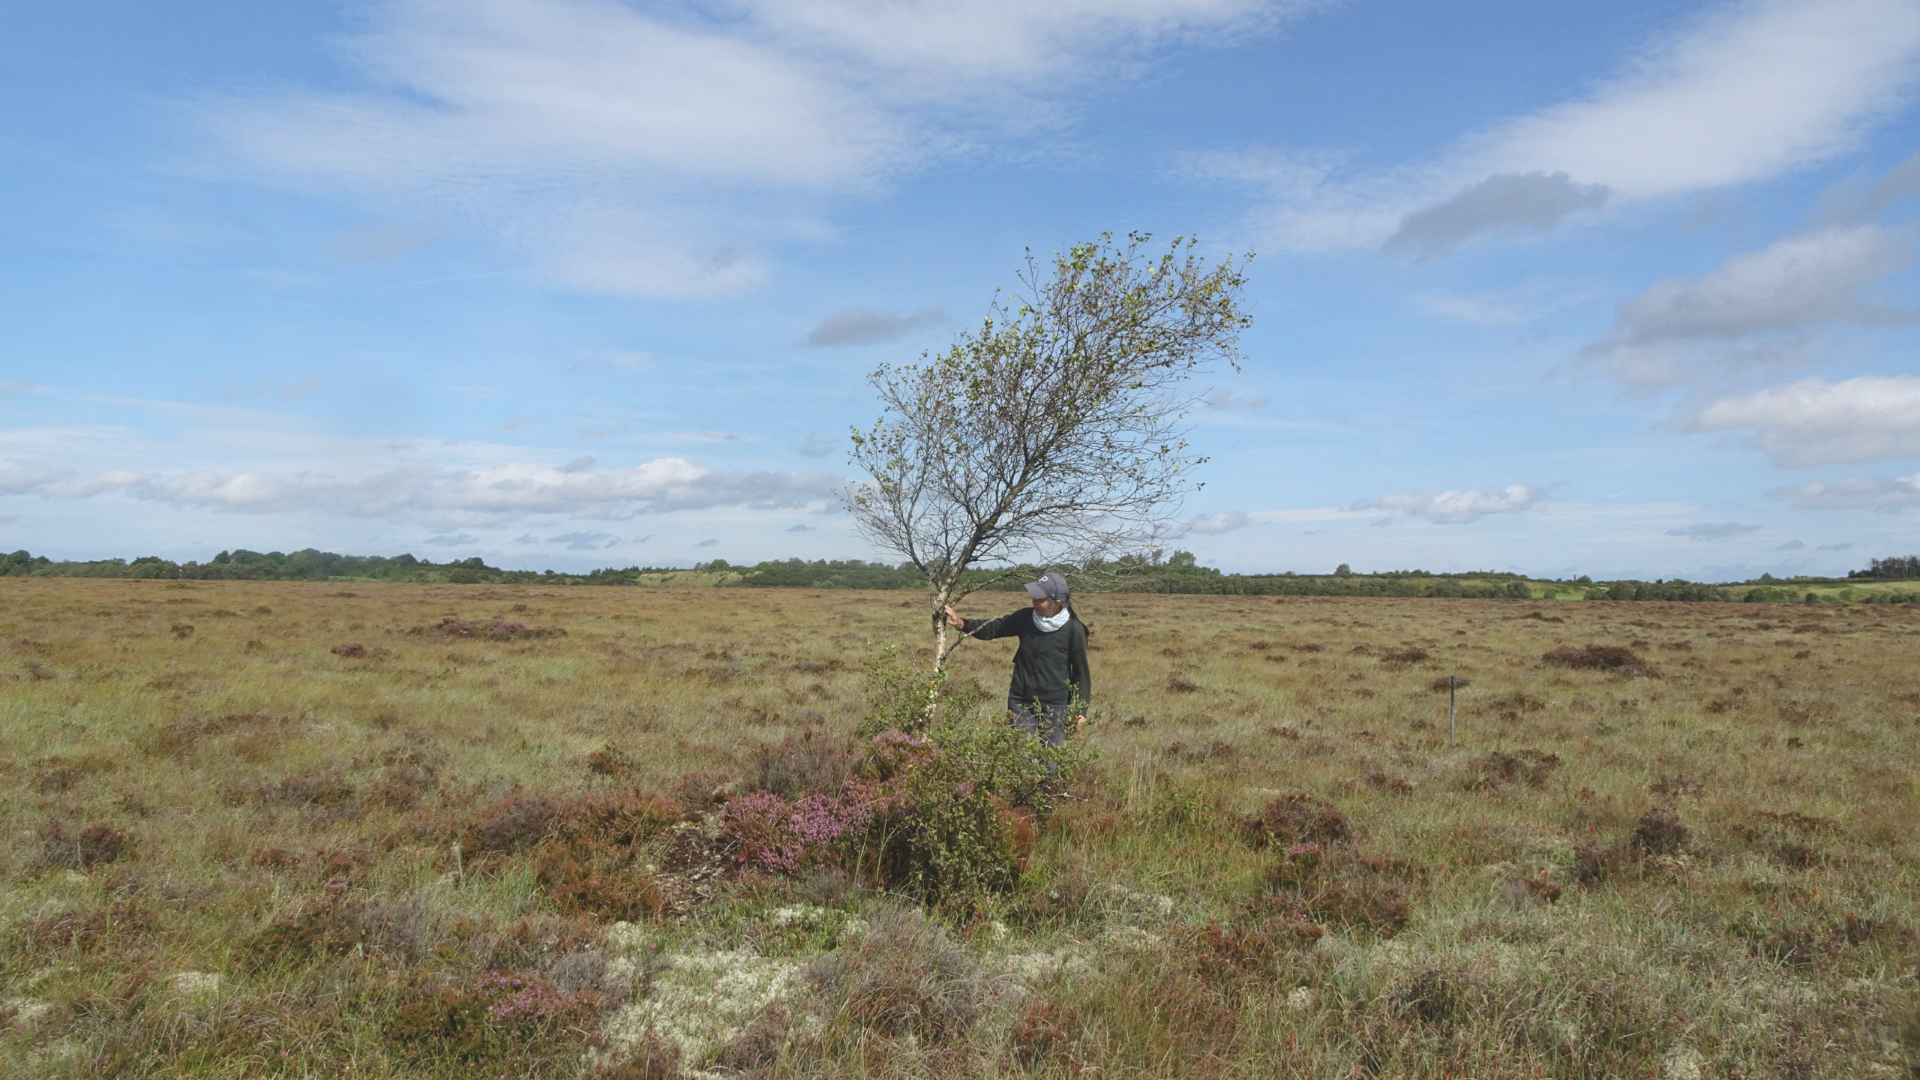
(953, 617)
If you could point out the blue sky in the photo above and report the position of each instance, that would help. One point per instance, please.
(1617, 289)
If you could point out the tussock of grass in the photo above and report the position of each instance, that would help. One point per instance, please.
(270, 830)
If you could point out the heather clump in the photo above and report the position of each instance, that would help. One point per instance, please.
(1661, 832)
(1321, 873)
(943, 816)
(498, 1019)
(810, 761)
(1298, 818)
(904, 977)
(513, 823)
(64, 846)
(1609, 658)
(1530, 767)
(456, 628)
(89, 929)
(592, 857)
(1265, 932)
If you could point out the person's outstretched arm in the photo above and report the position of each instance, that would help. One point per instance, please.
(982, 628)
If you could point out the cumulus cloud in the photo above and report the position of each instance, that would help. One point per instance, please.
(1834, 547)
(1457, 507)
(798, 528)
(1792, 545)
(452, 540)
(420, 490)
(1816, 422)
(1714, 530)
(707, 543)
(866, 326)
(654, 152)
(1751, 91)
(1860, 493)
(1225, 521)
(1753, 311)
(1533, 201)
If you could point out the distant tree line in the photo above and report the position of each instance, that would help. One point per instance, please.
(1177, 573)
(1677, 589)
(1897, 568)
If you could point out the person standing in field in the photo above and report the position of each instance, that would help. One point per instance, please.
(1050, 667)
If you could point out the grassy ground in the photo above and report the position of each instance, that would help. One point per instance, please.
(279, 830)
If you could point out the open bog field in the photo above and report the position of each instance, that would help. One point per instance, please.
(291, 830)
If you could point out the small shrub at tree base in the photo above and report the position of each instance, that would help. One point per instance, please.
(942, 817)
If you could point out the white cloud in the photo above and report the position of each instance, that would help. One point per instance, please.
(1457, 507)
(1753, 311)
(655, 152)
(1714, 530)
(439, 493)
(1225, 521)
(1751, 91)
(1815, 422)
(1863, 493)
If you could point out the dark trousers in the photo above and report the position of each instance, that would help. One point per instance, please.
(1047, 720)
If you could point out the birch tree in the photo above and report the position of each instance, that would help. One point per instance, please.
(1051, 435)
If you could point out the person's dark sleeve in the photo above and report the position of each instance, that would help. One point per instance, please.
(1079, 678)
(987, 629)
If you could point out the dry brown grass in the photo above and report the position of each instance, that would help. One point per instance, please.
(291, 830)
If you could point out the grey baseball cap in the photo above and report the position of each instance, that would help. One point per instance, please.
(1051, 586)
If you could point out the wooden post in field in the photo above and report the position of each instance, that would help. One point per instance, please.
(1454, 683)
(1453, 687)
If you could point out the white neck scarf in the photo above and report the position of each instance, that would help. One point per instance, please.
(1048, 626)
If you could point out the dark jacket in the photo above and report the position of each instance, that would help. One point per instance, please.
(1049, 667)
